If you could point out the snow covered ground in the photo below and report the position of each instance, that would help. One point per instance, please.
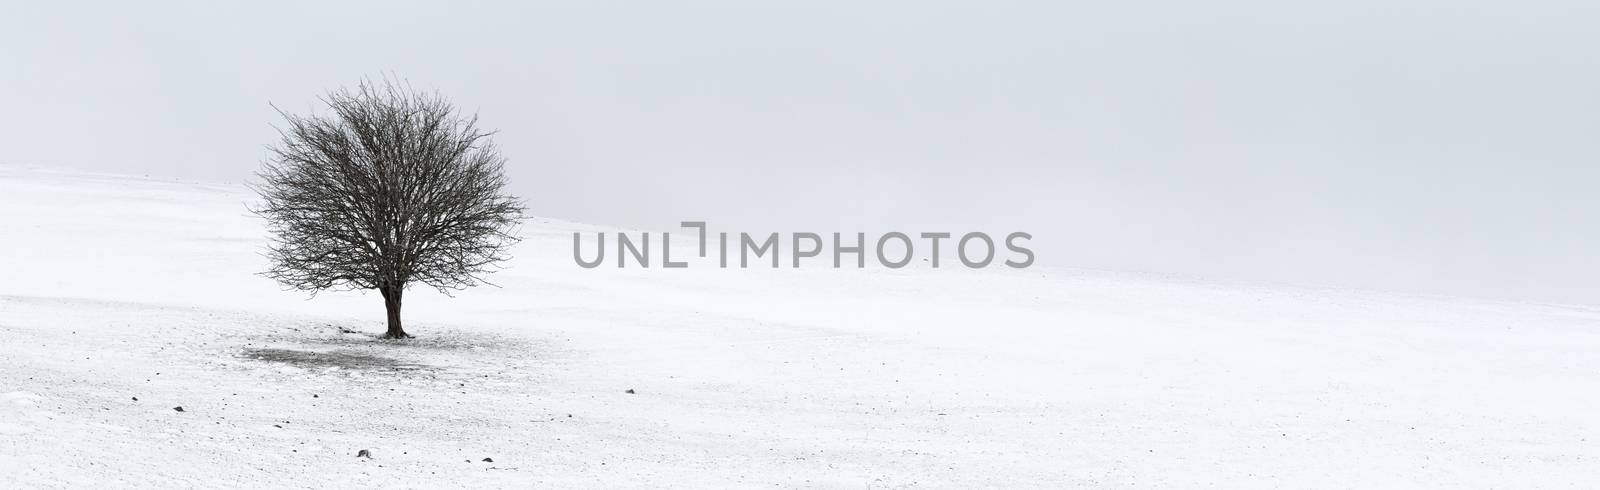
(123, 297)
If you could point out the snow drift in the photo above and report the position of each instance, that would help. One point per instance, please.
(125, 298)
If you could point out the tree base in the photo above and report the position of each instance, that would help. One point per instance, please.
(397, 336)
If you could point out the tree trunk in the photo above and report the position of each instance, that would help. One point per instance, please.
(391, 304)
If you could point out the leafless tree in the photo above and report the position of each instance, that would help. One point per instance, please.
(393, 188)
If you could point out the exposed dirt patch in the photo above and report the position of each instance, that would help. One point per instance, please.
(430, 338)
(333, 359)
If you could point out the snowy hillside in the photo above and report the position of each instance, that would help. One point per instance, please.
(122, 298)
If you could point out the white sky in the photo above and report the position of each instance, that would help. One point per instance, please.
(1435, 146)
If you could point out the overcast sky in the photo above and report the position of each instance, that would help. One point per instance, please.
(1441, 146)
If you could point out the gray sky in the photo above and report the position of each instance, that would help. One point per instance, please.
(1436, 146)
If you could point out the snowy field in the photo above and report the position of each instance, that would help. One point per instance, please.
(124, 297)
